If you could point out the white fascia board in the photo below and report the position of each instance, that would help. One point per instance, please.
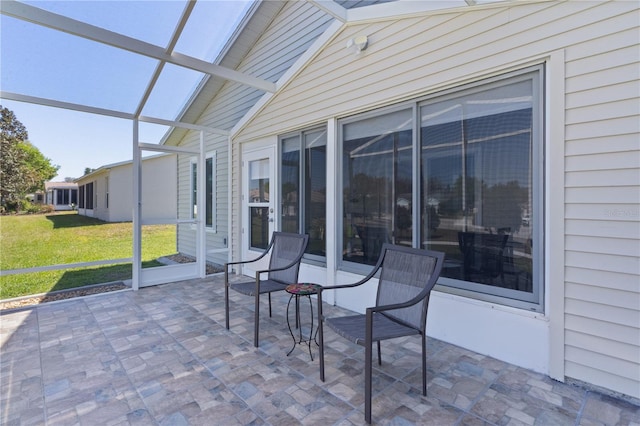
(400, 8)
(331, 8)
(166, 149)
(403, 8)
(108, 167)
(90, 176)
(81, 29)
(315, 48)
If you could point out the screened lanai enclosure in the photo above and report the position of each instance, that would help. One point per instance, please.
(94, 58)
(99, 60)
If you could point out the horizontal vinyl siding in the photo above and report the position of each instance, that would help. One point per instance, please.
(187, 232)
(289, 36)
(602, 195)
(420, 55)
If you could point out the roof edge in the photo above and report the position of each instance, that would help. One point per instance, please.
(404, 8)
(106, 167)
(223, 52)
(316, 47)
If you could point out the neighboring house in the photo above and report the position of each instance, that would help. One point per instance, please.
(503, 134)
(61, 195)
(107, 192)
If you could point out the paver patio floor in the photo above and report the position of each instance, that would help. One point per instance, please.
(162, 356)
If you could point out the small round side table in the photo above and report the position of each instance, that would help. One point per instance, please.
(296, 291)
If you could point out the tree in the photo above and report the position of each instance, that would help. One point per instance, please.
(23, 168)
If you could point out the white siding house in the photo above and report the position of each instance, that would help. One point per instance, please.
(107, 192)
(63, 196)
(560, 84)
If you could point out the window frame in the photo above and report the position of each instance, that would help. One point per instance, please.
(89, 195)
(81, 195)
(106, 192)
(354, 267)
(533, 301)
(302, 213)
(210, 156)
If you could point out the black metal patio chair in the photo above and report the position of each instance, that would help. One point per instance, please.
(286, 253)
(406, 278)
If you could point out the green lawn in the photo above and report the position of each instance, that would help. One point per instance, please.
(61, 238)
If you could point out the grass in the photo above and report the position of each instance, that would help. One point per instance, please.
(61, 238)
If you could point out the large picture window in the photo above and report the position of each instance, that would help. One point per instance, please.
(377, 187)
(460, 173)
(303, 178)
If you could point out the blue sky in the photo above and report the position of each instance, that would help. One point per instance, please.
(41, 62)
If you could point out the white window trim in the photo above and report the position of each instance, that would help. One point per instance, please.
(213, 228)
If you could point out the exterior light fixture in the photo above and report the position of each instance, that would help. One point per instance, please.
(358, 44)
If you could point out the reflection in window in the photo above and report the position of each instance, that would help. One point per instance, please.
(259, 203)
(303, 179)
(377, 185)
(477, 179)
(259, 230)
(259, 181)
(209, 192)
(477, 190)
(194, 190)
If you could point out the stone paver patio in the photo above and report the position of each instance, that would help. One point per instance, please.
(162, 356)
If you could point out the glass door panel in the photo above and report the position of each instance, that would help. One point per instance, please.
(259, 209)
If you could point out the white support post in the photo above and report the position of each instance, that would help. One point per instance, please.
(229, 198)
(201, 238)
(332, 207)
(137, 206)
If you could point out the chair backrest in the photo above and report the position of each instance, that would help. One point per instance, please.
(287, 248)
(406, 273)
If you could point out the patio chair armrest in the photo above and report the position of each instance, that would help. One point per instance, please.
(264, 271)
(240, 262)
(334, 287)
(406, 304)
(282, 268)
(350, 285)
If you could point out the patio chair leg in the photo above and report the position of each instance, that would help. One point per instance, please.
(269, 305)
(367, 381)
(368, 355)
(226, 297)
(321, 336)
(379, 354)
(424, 364)
(256, 319)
